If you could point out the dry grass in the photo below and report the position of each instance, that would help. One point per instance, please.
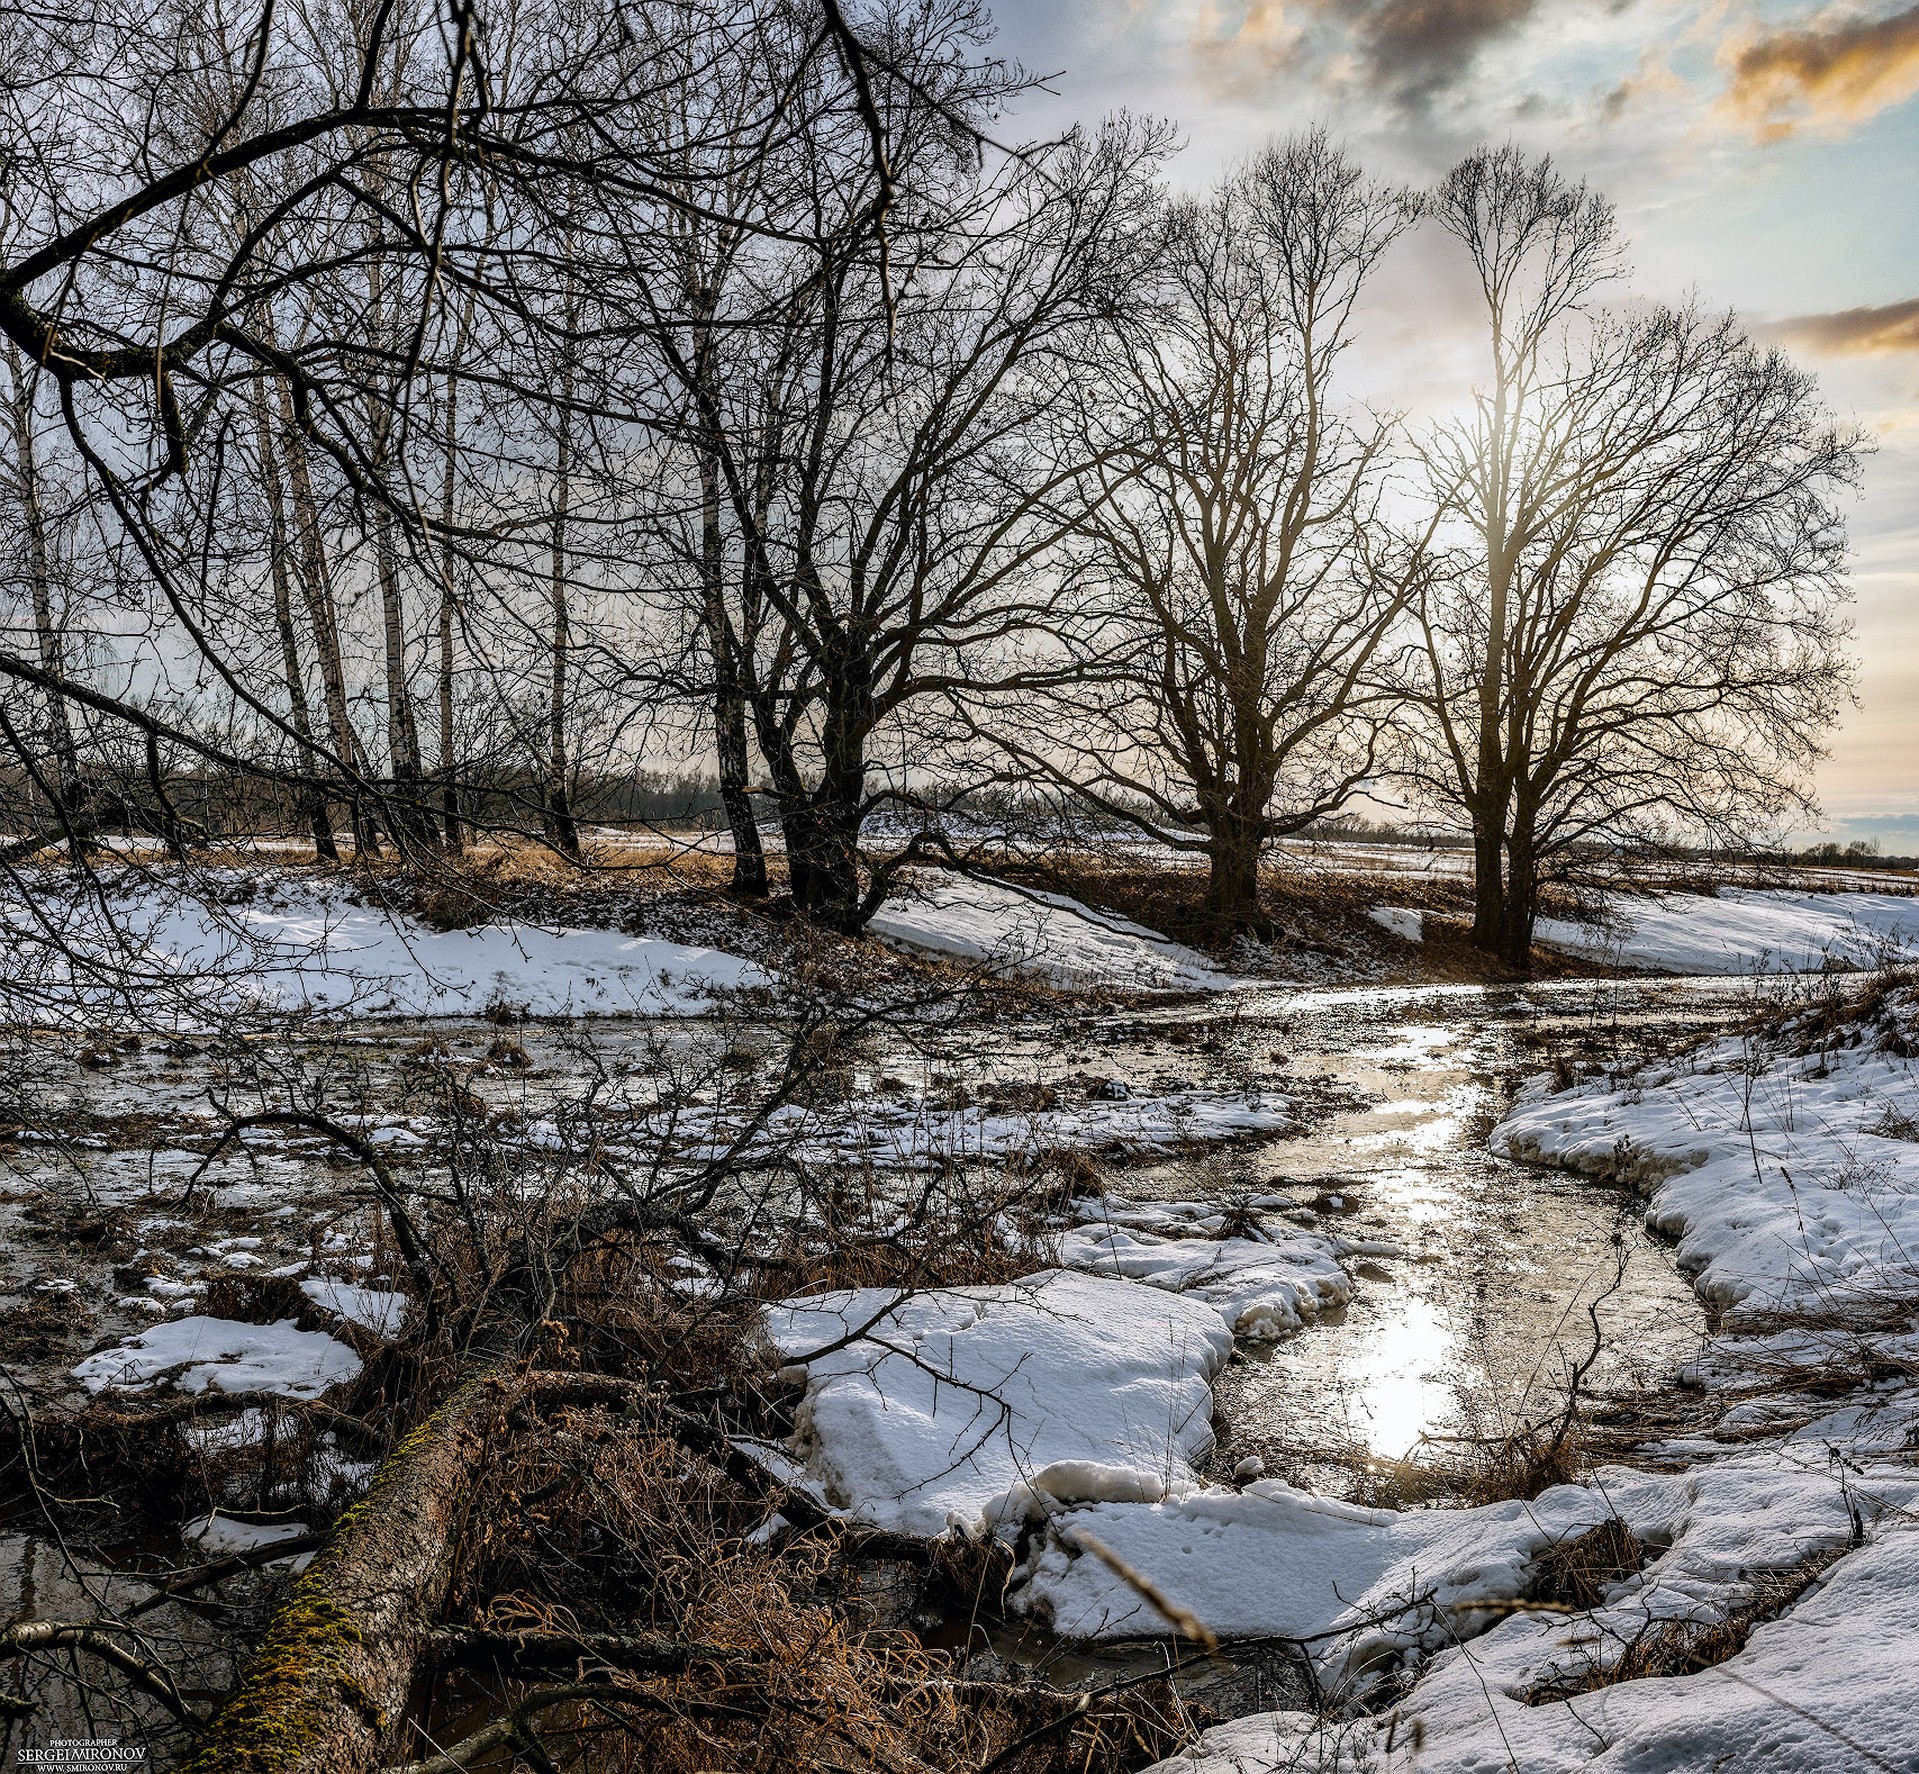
(1577, 1571)
(604, 1529)
(1681, 1647)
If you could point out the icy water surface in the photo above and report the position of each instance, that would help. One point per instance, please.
(1471, 1273)
(1471, 1324)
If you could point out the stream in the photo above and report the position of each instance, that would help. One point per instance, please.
(1470, 1301)
(1472, 1322)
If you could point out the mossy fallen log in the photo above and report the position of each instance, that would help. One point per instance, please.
(329, 1681)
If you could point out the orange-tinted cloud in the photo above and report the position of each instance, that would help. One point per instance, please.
(1241, 56)
(1832, 74)
(1857, 332)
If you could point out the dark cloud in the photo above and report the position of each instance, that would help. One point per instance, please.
(1410, 50)
(1835, 73)
(1415, 48)
(1857, 332)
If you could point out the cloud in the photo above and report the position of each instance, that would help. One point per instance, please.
(1416, 48)
(1653, 79)
(1409, 50)
(1857, 332)
(1243, 58)
(1833, 74)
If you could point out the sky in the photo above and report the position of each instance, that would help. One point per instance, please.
(1764, 156)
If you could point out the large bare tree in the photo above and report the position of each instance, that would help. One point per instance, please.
(1643, 628)
(1244, 578)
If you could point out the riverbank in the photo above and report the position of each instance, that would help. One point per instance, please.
(1272, 1211)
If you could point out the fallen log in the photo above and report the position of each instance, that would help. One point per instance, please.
(330, 1679)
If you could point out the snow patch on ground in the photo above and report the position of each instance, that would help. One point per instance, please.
(298, 945)
(1790, 1180)
(1745, 930)
(222, 1355)
(1405, 923)
(912, 1134)
(1045, 936)
(1261, 1286)
(220, 1536)
(961, 1405)
(1808, 1693)
(371, 1308)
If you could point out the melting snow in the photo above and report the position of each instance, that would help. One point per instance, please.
(1045, 936)
(1745, 930)
(956, 1406)
(222, 1355)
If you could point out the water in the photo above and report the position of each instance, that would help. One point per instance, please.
(1466, 1312)
(1472, 1325)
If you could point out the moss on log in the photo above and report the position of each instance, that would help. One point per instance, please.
(330, 1679)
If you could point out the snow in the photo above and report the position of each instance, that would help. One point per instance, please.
(1745, 930)
(1262, 1287)
(1402, 921)
(913, 1134)
(965, 1404)
(1045, 936)
(220, 1536)
(1788, 1177)
(222, 1355)
(1789, 1180)
(1824, 1687)
(371, 1308)
(302, 945)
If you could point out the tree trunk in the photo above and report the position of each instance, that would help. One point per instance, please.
(827, 879)
(448, 763)
(405, 761)
(823, 858)
(1522, 893)
(334, 1670)
(316, 590)
(729, 697)
(1232, 881)
(562, 830)
(65, 753)
(1489, 888)
(278, 550)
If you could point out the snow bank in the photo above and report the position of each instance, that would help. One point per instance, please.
(963, 1405)
(1789, 1180)
(1044, 936)
(1402, 921)
(1826, 1686)
(304, 945)
(1261, 1287)
(1745, 930)
(219, 1536)
(372, 1308)
(221, 1355)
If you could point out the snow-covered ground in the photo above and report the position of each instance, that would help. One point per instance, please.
(1043, 936)
(289, 943)
(1824, 1689)
(1745, 930)
(1790, 1179)
(1787, 1165)
(1262, 1286)
(911, 1133)
(219, 1354)
(959, 1406)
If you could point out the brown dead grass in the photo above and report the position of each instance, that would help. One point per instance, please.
(1682, 1647)
(1577, 1571)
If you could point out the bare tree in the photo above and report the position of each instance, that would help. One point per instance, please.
(1643, 628)
(1246, 579)
(883, 432)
